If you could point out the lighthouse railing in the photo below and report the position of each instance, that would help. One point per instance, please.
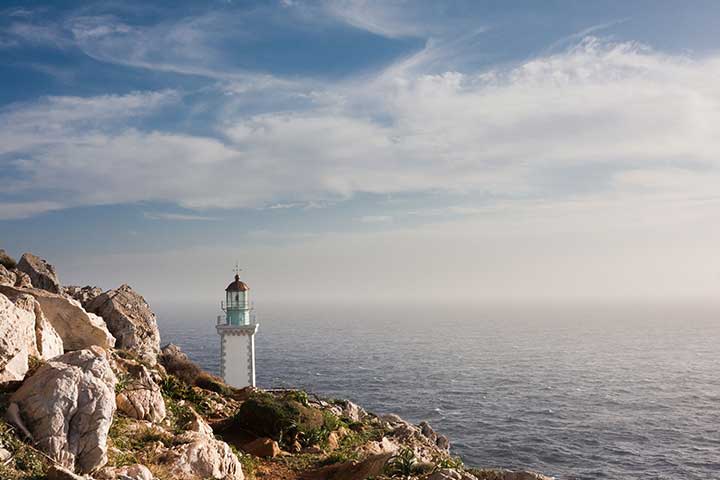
(222, 320)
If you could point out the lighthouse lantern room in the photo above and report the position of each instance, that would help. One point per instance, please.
(237, 330)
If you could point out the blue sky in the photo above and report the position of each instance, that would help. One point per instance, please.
(552, 149)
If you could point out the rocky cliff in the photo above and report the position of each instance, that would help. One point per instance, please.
(87, 393)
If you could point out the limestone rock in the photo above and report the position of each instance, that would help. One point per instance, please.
(17, 339)
(352, 411)
(5, 454)
(130, 320)
(47, 343)
(77, 328)
(333, 441)
(451, 474)
(56, 472)
(42, 274)
(48, 340)
(7, 277)
(22, 279)
(68, 406)
(262, 447)
(6, 260)
(371, 466)
(502, 474)
(130, 472)
(203, 458)
(198, 424)
(84, 295)
(141, 398)
(420, 438)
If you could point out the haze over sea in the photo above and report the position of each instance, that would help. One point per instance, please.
(584, 391)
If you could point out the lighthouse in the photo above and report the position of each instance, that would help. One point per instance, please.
(237, 335)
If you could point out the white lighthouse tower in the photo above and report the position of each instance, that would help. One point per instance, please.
(237, 336)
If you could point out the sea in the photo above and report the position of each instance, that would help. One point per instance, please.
(577, 391)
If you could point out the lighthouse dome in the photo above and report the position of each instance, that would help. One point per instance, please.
(237, 286)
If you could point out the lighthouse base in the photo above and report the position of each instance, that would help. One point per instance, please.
(237, 354)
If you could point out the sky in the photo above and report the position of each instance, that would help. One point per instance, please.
(361, 150)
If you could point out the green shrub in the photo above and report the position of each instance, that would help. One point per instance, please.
(174, 388)
(448, 462)
(281, 418)
(299, 396)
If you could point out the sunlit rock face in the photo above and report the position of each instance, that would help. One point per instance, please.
(130, 320)
(41, 273)
(68, 407)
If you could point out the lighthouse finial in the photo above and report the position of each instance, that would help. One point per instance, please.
(237, 270)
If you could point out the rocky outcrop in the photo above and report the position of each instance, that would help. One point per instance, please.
(130, 320)
(262, 447)
(129, 472)
(140, 397)
(47, 343)
(203, 457)
(84, 295)
(77, 328)
(6, 260)
(57, 472)
(422, 439)
(7, 277)
(68, 406)
(17, 338)
(41, 273)
(48, 340)
(451, 474)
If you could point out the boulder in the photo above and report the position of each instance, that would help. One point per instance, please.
(440, 440)
(351, 411)
(42, 274)
(502, 474)
(47, 343)
(17, 338)
(77, 328)
(333, 441)
(203, 458)
(22, 279)
(421, 439)
(130, 320)
(7, 277)
(129, 472)
(48, 340)
(451, 474)
(5, 454)
(6, 260)
(84, 295)
(68, 406)
(371, 466)
(141, 397)
(262, 447)
(197, 424)
(56, 472)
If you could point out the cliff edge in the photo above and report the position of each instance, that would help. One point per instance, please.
(86, 392)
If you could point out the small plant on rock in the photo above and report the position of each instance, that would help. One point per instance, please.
(401, 464)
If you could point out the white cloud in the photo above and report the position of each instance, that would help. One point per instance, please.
(15, 210)
(623, 119)
(376, 218)
(180, 217)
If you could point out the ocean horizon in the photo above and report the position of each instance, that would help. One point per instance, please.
(580, 391)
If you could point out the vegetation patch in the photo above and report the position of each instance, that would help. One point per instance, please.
(176, 389)
(26, 462)
(283, 418)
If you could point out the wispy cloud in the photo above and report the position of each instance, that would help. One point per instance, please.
(620, 116)
(376, 219)
(180, 217)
